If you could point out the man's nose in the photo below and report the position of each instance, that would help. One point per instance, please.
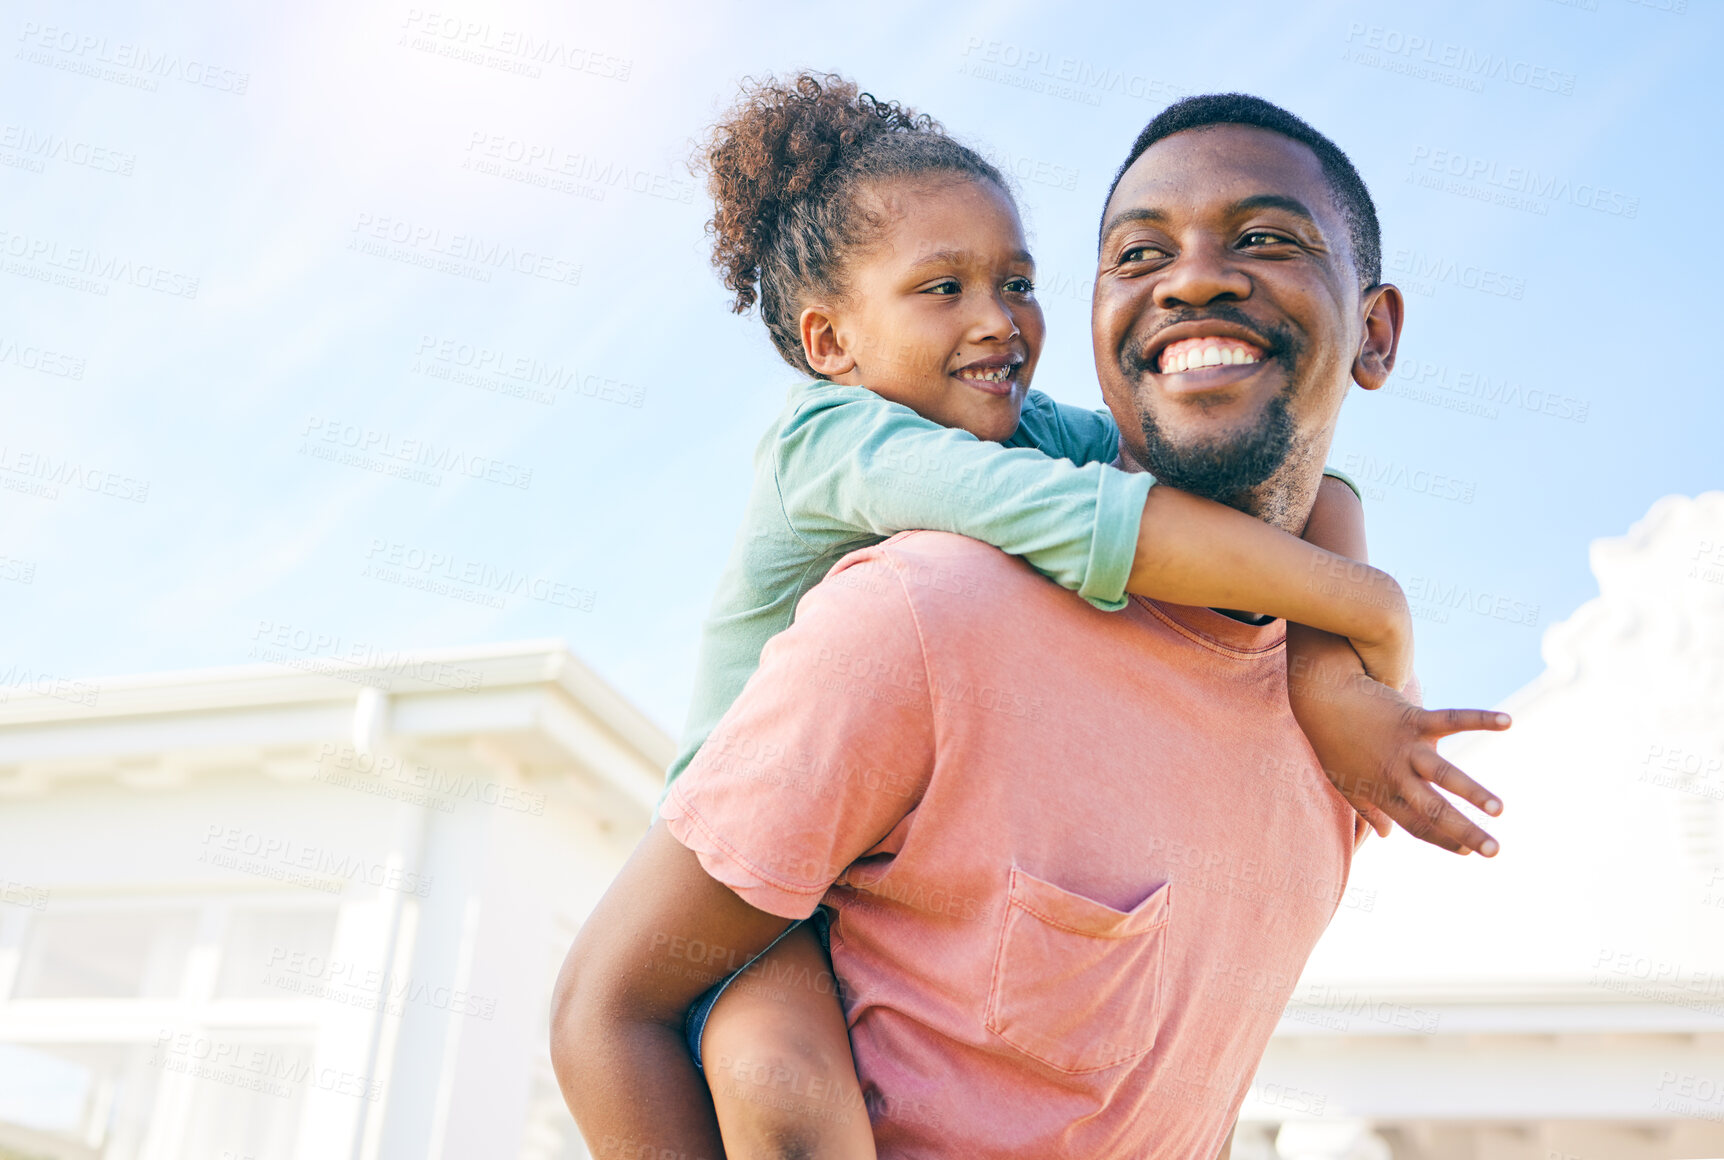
(1199, 276)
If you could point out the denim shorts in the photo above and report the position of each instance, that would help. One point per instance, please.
(694, 1024)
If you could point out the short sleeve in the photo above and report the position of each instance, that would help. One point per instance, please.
(1337, 473)
(855, 465)
(828, 748)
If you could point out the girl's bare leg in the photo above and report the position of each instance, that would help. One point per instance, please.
(777, 1057)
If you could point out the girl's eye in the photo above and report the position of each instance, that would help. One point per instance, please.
(1021, 286)
(947, 287)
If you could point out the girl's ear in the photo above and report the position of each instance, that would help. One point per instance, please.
(1384, 309)
(821, 344)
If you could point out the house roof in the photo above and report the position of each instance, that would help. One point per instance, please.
(533, 702)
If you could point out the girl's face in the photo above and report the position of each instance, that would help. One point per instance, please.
(941, 313)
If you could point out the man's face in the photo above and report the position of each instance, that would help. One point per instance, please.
(1228, 318)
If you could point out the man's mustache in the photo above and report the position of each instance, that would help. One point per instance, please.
(1278, 341)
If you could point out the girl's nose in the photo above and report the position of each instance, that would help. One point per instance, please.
(994, 321)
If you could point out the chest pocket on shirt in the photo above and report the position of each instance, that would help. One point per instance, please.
(1077, 984)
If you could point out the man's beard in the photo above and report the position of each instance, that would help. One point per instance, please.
(1228, 468)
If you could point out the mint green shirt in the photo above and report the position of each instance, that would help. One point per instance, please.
(843, 468)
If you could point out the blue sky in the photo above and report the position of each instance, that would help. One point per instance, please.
(235, 241)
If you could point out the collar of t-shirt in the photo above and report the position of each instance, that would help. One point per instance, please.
(1254, 619)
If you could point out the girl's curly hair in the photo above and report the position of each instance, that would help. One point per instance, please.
(785, 167)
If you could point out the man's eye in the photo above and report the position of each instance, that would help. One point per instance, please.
(1266, 238)
(1143, 253)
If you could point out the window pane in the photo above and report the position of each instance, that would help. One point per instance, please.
(251, 1107)
(105, 955)
(257, 938)
(81, 1101)
(42, 1091)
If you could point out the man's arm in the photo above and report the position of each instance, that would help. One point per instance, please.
(663, 933)
(1375, 745)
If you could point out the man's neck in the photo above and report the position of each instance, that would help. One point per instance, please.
(1286, 498)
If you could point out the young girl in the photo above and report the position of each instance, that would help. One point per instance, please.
(889, 265)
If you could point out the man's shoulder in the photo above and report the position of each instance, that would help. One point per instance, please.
(943, 571)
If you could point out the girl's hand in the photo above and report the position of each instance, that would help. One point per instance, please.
(1379, 749)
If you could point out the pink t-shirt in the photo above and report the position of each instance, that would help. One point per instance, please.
(1078, 858)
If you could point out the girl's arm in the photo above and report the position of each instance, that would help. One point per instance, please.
(852, 464)
(1196, 551)
(1377, 747)
(1184, 544)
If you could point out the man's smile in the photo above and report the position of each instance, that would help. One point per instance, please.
(1191, 354)
(1207, 354)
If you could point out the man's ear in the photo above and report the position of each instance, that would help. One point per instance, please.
(1384, 308)
(821, 344)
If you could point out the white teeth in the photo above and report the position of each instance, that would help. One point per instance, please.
(1181, 357)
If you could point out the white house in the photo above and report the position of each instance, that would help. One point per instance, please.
(304, 912)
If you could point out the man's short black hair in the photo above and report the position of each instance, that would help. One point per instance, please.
(1351, 196)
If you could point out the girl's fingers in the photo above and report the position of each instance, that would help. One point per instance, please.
(1377, 820)
(1431, 766)
(1442, 722)
(1429, 816)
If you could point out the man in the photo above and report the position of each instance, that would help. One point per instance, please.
(1078, 859)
